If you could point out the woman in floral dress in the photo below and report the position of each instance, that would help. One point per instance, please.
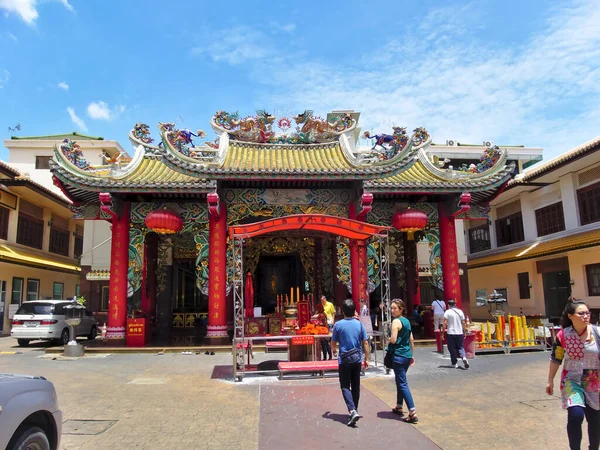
(578, 343)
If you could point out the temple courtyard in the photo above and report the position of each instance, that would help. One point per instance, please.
(174, 400)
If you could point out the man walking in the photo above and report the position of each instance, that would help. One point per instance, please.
(439, 308)
(352, 337)
(455, 329)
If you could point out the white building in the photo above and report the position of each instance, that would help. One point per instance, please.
(541, 243)
(31, 157)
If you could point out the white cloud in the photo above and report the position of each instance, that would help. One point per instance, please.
(24, 8)
(101, 111)
(64, 86)
(4, 77)
(443, 76)
(12, 36)
(234, 46)
(67, 5)
(287, 27)
(27, 9)
(76, 120)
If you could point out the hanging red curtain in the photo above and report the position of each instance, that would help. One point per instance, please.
(249, 296)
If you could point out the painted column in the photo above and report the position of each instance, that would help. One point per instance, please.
(354, 273)
(339, 290)
(449, 255)
(412, 273)
(119, 261)
(318, 276)
(363, 275)
(217, 273)
(149, 275)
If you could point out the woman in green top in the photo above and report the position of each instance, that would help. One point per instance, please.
(402, 345)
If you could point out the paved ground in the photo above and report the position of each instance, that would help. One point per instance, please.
(173, 401)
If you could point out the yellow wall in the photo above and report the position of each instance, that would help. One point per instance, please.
(505, 276)
(47, 278)
(577, 261)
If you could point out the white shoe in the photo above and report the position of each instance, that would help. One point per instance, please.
(465, 362)
(456, 366)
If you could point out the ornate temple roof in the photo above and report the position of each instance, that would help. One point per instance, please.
(424, 176)
(248, 149)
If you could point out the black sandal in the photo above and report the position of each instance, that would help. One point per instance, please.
(398, 411)
(412, 418)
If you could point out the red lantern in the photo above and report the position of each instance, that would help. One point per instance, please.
(409, 221)
(164, 221)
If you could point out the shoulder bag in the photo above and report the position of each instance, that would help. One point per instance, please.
(388, 360)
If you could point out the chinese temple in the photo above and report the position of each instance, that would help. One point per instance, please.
(287, 208)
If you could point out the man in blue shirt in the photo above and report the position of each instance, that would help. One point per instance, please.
(351, 335)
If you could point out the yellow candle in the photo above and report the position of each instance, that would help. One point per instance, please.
(292, 295)
(297, 294)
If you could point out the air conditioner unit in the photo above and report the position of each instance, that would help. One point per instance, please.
(488, 143)
(451, 143)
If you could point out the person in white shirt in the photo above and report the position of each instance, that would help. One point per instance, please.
(455, 329)
(439, 308)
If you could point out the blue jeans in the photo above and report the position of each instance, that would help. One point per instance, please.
(350, 384)
(401, 366)
(456, 347)
(575, 421)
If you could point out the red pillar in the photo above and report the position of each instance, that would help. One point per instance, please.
(119, 262)
(363, 275)
(354, 264)
(449, 255)
(217, 273)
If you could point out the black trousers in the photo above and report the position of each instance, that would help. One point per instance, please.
(575, 422)
(350, 384)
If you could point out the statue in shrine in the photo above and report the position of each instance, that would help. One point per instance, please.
(274, 283)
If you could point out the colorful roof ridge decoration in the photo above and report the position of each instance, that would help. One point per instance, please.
(180, 164)
(56, 137)
(426, 176)
(310, 129)
(73, 153)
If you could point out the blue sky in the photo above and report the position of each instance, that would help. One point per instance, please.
(513, 72)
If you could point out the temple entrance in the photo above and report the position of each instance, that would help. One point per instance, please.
(247, 259)
(186, 295)
(276, 275)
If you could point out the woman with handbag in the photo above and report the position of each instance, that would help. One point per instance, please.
(579, 381)
(401, 350)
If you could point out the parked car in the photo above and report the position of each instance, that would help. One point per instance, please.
(45, 320)
(29, 414)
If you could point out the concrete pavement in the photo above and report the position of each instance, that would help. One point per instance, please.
(174, 401)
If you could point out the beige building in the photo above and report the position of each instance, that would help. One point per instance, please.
(541, 243)
(41, 245)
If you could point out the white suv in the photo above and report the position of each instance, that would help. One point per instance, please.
(45, 320)
(29, 414)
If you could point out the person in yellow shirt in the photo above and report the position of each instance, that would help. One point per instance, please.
(329, 311)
